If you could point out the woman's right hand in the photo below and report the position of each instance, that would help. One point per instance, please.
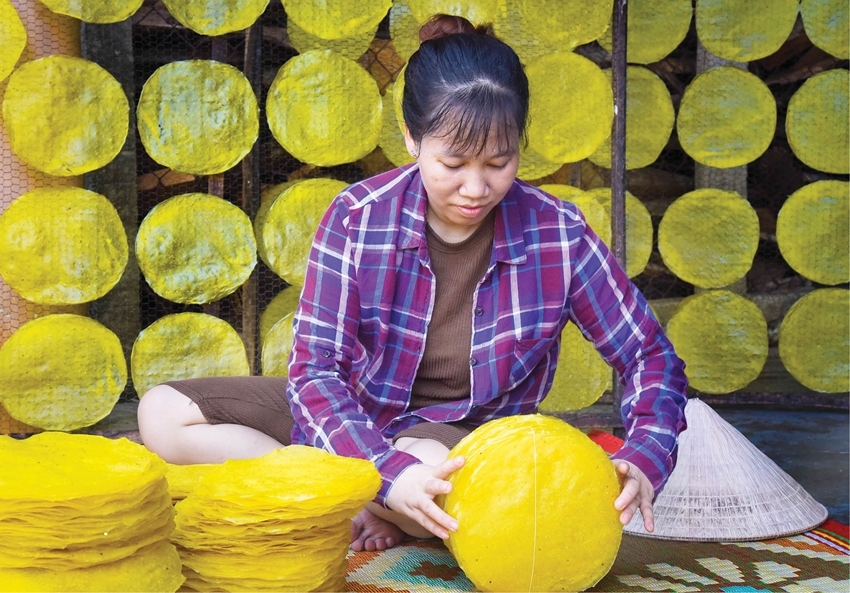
(413, 492)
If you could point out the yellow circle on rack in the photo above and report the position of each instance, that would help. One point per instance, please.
(534, 166)
(744, 30)
(65, 116)
(185, 346)
(727, 118)
(813, 231)
(196, 248)
(638, 229)
(336, 19)
(511, 27)
(198, 116)
(827, 24)
(581, 377)
(722, 337)
(95, 11)
(276, 348)
(284, 303)
(62, 246)
(351, 47)
(567, 23)
(291, 223)
(817, 122)
(13, 38)
(404, 31)
(571, 107)
(655, 29)
(61, 372)
(592, 209)
(814, 340)
(392, 139)
(216, 17)
(324, 109)
(649, 120)
(268, 196)
(477, 12)
(709, 237)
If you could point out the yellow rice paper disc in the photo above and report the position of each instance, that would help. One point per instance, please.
(284, 303)
(655, 29)
(404, 31)
(817, 122)
(744, 30)
(581, 377)
(216, 17)
(62, 245)
(198, 116)
(827, 24)
(61, 372)
(709, 237)
(97, 11)
(267, 198)
(475, 11)
(534, 166)
(184, 346)
(324, 109)
(350, 47)
(571, 108)
(649, 120)
(813, 231)
(291, 224)
(65, 116)
(512, 27)
(638, 229)
(722, 337)
(727, 118)
(337, 19)
(814, 340)
(567, 23)
(276, 348)
(13, 38)
(196, 248)
(592, 209)
(556, 477)
(182, 479)
(392, 138)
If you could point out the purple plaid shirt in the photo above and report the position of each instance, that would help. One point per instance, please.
(361, 325)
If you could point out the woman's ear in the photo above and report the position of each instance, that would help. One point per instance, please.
(412, 145)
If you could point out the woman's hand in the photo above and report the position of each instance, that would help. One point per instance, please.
(636, 493)
(414, 491)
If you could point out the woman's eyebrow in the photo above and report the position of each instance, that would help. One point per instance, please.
(460, 155)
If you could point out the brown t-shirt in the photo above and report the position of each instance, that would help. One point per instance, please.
(444, 373)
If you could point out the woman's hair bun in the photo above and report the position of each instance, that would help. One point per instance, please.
(443, 25)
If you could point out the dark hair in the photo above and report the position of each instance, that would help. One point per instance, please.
(460, 82)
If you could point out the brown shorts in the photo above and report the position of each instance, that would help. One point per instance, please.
(260, 403)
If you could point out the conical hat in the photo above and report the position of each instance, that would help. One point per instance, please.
(724, 489)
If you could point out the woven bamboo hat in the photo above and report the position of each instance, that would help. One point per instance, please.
(724, 489)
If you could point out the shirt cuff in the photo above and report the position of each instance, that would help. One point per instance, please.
(390, 465)
(654, 461)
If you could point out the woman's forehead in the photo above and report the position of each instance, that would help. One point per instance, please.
(455, 139)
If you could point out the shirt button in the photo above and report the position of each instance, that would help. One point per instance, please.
(479, 311)
(473, 362)
(326, 353)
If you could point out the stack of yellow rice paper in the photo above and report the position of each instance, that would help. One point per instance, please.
(183, 479)
(84, 513)
(280, 522)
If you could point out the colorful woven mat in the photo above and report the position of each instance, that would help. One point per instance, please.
(815, 562)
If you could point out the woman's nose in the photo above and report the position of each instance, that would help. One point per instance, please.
(475, 186)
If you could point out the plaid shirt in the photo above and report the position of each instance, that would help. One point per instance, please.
(362, 321)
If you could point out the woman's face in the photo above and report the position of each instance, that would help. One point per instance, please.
(463, 187)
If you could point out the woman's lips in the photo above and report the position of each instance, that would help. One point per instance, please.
(470, 211)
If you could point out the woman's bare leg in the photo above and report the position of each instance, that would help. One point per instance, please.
(172, 426)
(377, 528)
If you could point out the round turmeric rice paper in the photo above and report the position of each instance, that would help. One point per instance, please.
(813, 231)
(592, 209)
(722, 337)
(404, 31)
(655, 29)
(267, 198)
(744, 30)
(638, 229)
(62, 245)
(13, 38)
(572, 107)
(61, 372)
(813, 340)
(184, 346)
(64, 115)
(216, 17)
(582, 375)
(827, 24)
(709, 237)
(350, 47)
(534, 166)
(95, 11)
(566, 24)
(198, 116)
(392, 138)
(196, 248)
(817, 122)
(727, 118)
(277, 346)
(649, 120)
(288, 231)
(324, 109)
(336, 19)
(284, 303)
(511, 27)
(475, 11)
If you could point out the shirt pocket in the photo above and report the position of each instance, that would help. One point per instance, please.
(527, 355)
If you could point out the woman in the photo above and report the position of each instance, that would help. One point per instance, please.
(434, 300)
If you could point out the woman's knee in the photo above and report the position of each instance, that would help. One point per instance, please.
(162, 412)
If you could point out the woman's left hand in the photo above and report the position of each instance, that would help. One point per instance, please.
(636, 493)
